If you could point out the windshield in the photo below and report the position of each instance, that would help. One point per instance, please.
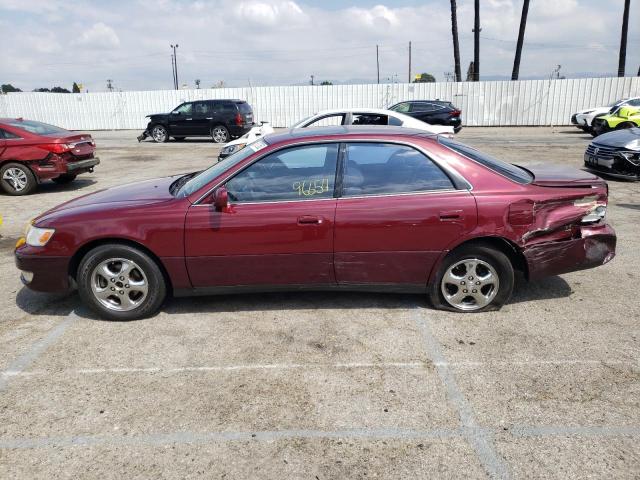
(219, 168)
(38, 128)
(512, 172)
(300, 122)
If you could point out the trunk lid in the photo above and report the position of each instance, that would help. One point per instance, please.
(561, 176)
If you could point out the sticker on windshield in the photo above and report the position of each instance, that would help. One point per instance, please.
(257, 145)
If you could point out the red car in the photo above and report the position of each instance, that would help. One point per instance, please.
(31, 152)
(345, 208)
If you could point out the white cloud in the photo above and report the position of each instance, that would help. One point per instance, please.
(284, 41)
(99, 36)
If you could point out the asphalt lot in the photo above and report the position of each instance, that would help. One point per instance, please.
(325, 385)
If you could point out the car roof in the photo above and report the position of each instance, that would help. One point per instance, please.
(345, 131)
(352, 110)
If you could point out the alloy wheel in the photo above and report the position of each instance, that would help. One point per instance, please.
(470, 284)
(220, 135)
(119, 284)
(159, 134)
(16, 178)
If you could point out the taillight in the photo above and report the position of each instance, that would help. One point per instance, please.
(56, 147)
(239, 120)
(455, 113)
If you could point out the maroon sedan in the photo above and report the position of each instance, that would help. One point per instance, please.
(347, 208)
(31, 152)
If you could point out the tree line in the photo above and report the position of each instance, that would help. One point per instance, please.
(8, 88)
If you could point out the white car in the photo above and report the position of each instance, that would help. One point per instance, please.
(583, 118)
(251, 136)
(369, 116)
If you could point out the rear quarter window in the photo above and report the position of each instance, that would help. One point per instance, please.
(244, 107)
(512, 172)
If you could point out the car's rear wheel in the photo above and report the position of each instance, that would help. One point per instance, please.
(17, 179)
(64, 179)
(159, 134)
(625, 125)
(474, 278)
(220, 134)
(120, 282)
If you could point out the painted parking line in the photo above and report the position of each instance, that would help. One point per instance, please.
(19, 365)
(581, 431)
(480, 439)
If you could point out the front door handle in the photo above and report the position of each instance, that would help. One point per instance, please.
(450, 215)
(188, 118)
(309, 220)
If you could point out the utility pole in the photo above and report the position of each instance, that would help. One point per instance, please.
(476, 42)
(456, 44)
(523, 25)
(623, 39)
(110, 85)
(409, 80)
(378, 63)
(173, 72)
(175, 66)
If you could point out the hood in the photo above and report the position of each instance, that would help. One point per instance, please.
(157, 115)
(561, 176)
(142, 193)
(618, 138)
(592, 110)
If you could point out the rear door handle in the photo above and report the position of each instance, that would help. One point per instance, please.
(209, 118)
(309, 220)
(450, 215)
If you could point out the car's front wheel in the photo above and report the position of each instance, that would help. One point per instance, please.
(474, 278)
(159, 134)
(17, 179)
(220, 134)
(120, 282)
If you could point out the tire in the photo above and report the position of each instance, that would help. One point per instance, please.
(220, 134)
(454, 278)
(625, 125)
(17, 179)
(179, 139)
(116, 292)
(159, 134)
(64, 179)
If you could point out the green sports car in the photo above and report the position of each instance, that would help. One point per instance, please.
(624, 117)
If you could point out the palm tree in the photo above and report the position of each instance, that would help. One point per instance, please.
(623, 39)
(456, 45)
(523, 26)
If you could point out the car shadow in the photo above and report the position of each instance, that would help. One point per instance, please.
(77, 184)
(36, 303)
(186, 140)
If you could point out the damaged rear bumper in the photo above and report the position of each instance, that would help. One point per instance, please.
(596, 246)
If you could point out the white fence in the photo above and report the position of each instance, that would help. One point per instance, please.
(528, 102)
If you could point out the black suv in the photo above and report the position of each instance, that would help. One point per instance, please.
(435, 112)
(219, 119)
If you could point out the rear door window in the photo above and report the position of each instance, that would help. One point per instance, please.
(297, 173)
(385, 169)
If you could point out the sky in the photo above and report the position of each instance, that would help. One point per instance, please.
(48, 43)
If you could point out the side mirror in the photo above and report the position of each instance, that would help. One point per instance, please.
(221, 198)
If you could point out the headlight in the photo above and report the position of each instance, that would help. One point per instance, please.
(39, 237)
(632, 157)
(595, 215)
